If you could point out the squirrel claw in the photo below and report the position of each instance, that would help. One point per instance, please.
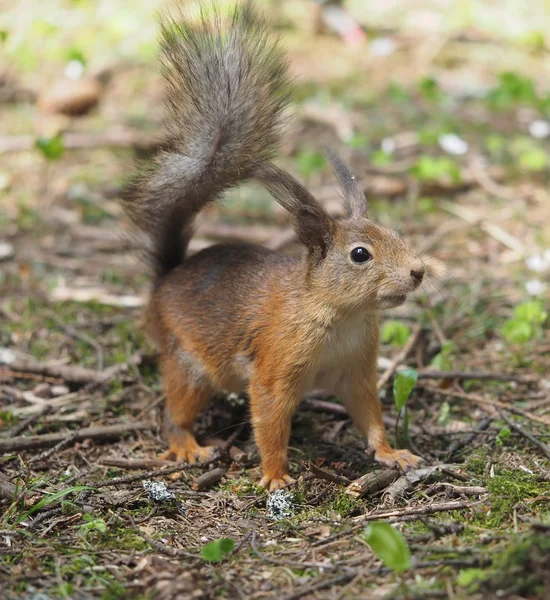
(402, 459)
(276, 483)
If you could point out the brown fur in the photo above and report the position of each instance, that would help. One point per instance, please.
(239, 317)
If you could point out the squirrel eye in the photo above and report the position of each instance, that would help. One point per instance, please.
(360, 255)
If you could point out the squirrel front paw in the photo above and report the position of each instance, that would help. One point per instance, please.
(276, 483)
(402, 459)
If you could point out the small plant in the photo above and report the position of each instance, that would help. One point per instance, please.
(429, 88)
(503, 436)
(436, 168)
(217, 550)
(52, 148)
(403, 385)
(389, 545)
(396, 333)
(92, 524)
(443, 361)
(379, 158)
(512, 89)
(526, 324)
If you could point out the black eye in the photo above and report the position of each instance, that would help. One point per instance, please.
(360, 255)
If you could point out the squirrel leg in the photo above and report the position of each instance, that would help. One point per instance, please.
(184, 401)
(271, 420)
(360, 396)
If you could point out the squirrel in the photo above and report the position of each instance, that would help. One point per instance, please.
(237, 317)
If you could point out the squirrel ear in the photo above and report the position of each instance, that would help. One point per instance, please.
(313, 224)
(356, 202)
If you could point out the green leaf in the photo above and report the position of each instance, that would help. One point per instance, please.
(429, 88)
(435, 168)
(532, 312)
(443, 360)
(503, 435)
(403, 385)
(380, 158)
(395, 332)
(75, 53)
(535, 160)
(389, 545)
(468, 576)
(3, 35)
(51, 147)
(358, 141)
(444, 414)
(517, 331)
(216, 550)
(49, 499)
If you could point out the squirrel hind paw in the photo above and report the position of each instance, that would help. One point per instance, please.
(188, 455)
(276, 483)
(402, 459)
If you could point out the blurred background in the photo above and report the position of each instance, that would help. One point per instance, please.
(442, 108)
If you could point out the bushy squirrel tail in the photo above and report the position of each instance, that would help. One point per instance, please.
(227, 89)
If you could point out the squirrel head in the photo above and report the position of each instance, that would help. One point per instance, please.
(352, 262)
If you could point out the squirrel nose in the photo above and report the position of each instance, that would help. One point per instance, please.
(418, 274)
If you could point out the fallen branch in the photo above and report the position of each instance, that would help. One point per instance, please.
(137, 464)
(371, 483)
(480, 375)
(151, 474)
(531, 438)
(415, 511)
(74, 141)
(99, 434)
(69, 373)
(326, 475)
(208, 480)
(469, 438)
(487, 403)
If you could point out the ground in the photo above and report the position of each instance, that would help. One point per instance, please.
(445, 124)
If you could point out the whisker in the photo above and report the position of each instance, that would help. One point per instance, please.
(428, 245)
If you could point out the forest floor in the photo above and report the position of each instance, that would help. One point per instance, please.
(449, 135)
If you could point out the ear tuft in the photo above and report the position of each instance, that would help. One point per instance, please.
(313, 224)
(356, 202)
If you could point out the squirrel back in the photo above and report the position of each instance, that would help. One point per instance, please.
(227, 88)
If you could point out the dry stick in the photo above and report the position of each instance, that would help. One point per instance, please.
(485, 402)
(73, 141)
(208, 480)
(544, 447)
(326, 475)
(150, 474)
(129, 463)
(20, 427)
(67, 441)
(495, 231)
(51, 439)
(79, 335)
(70, 374)
(372, 483)
(480, 375)
(321, 585)
(491, 186)
(415, 511)
(288, 563)
(469, 438)
(411, 342)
